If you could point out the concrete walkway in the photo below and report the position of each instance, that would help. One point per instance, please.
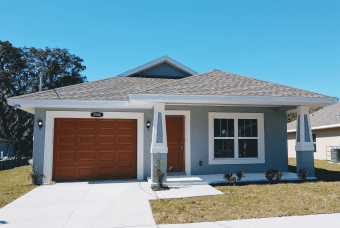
(82, 204)
(91, 204)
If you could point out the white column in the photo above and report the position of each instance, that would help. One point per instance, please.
(304, 141)
(159, 140)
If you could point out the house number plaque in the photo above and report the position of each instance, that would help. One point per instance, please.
(97, 114)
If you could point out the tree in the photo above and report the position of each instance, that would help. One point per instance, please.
(293, 116)
(18, 77)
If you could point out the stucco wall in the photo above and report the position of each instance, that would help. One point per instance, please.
(275, 128)
(324, 138)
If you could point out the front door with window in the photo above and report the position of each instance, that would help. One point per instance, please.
(175, 137)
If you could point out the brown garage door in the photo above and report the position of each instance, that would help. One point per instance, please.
(88, 149)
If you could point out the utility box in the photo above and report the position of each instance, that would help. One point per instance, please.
(335, 153)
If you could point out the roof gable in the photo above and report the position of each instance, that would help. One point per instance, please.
(164, 67)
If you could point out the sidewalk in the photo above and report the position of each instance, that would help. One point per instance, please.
(306, 221)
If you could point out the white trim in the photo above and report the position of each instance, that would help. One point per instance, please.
(49, 132)
(303, 145)
(212, 99)
(187, 135)
(236, 116)
(156, 62)
(80, 104)
(319, 127)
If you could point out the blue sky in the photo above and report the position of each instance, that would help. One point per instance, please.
(295, 43)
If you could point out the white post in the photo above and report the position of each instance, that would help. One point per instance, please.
(159, 141)
(304, 141)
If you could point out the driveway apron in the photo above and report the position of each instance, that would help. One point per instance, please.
(82, 204)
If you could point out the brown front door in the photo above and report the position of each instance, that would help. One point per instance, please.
(87, 149)
(175, 137)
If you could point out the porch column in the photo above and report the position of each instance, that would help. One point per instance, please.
(159, 141)
(304, 142)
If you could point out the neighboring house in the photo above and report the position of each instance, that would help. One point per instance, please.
(325, 132)
(208, 123)
(6, 146)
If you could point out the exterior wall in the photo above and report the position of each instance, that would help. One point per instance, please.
(3, 148)
(275, 128)
(39, 137)
(324, 138)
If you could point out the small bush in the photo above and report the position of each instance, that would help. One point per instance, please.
(273, 175)
(278, 176)
(239, 175)
(302, 174)
(159, 174)
(229, 177)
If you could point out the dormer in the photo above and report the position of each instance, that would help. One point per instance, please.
(164, 67)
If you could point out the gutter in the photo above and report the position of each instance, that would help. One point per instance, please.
(317, 128)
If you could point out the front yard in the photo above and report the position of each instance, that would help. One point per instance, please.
(257, 200)
(14, 183)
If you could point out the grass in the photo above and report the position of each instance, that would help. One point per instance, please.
(257, 200)
(14, 183)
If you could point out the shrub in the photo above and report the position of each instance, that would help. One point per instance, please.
(229, 177)
(302, 174)
(278, 176)
(239, 175)
(273, 174)
(159, 173)
(34, 175)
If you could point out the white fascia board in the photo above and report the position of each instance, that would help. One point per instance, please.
(157, 62)
(31, 104)
(319, 127)
(234, 100)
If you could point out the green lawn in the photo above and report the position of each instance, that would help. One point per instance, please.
(14, 183)
(257, 200)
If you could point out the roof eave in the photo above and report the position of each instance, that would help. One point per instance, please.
(233, 100)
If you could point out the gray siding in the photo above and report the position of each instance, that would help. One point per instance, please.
(275, 128)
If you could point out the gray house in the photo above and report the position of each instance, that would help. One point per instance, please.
(325, 125)
(6, 146)
(208, 123)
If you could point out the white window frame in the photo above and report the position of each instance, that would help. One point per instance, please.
(236, 160)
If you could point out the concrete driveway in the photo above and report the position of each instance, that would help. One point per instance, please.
(82, 204)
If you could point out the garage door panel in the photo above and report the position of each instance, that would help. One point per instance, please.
(87, 124)
(67, 125)
(66, 156)
(86, 155)
(106, 139)
(94, 149)
(126, 124)
(66, 140)
(107, 124)
(106, 155)
(65, 172)
(88, 140)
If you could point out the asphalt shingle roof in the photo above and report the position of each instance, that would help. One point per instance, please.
(213, 82)
(217, 82)
(110, 89)
(323, 117)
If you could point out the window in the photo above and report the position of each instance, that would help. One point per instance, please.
(314, 141)
(236, 138)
